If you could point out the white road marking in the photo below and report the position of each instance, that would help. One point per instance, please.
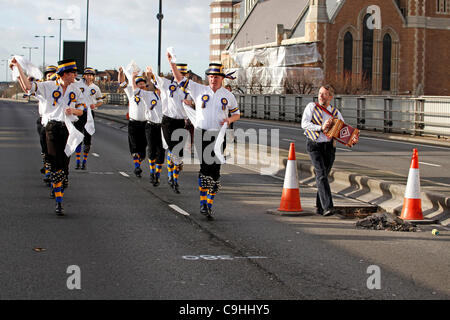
(124, 174)
(430, 164)
(289, 140)
(105, 173)
(95, 154)
(178, 209)
(342, 149)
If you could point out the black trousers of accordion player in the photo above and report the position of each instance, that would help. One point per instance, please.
(137, 142)
(209, 175)
(322, 155)
(56, 137)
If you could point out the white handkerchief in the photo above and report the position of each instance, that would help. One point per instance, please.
(219, 142)
(74, 139)
(171, 50)
(29, 69)
(89, 126)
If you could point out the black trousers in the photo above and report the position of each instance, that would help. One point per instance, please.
(322, 156)
(42, 136)
(169, 125)
(154, 142)
(87, 140)
(56, 137)
(137, 140)
(210, 164)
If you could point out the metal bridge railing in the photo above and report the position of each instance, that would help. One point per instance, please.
(416, 116)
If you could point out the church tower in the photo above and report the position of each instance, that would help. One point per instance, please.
(316, 21)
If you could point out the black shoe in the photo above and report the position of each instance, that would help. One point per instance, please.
(156, 182)
(152, 178)
(204, 210)
(83, 166)
(137, 172)
(176, 188)
(209, 215)
(319, 211)
(59, 209)
(77, 167)
(328, 212)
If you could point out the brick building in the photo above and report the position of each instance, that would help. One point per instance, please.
(383, 46)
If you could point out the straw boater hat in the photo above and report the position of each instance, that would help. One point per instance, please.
(66, 65)
(215, 69)
(140, 78)
(88, 70)
(50, 69)
(182, 67)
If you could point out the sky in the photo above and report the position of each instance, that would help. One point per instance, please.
(119, 31)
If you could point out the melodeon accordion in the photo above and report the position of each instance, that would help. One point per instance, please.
(342, 132)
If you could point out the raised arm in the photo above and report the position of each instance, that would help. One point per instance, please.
(176, 73)
(121, 75)
(23, 79)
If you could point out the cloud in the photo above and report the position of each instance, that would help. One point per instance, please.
(118, 30)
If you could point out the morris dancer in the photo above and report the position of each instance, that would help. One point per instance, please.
(153, 114)
(61, 104)
(213, 103)
(137, 140)
(174, 117)
(93, 97)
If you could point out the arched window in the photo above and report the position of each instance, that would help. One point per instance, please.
(348, 53)
(367, 51)
(387, 55)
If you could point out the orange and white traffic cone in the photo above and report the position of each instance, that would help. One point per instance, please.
(290, 198)
(412, 204)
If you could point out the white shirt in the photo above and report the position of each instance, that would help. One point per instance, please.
(308, 125)
(172, 98)
(153, 105)
(54, 103)
(211, 107)
(136, 107)
(91, 93)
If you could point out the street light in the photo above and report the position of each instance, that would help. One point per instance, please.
(159, 16)
(43, 52)
(87, 27)
(60, 20)
(29, 51)
(6, 69)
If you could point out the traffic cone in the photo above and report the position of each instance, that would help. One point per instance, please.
(290, 198)
(412, 204)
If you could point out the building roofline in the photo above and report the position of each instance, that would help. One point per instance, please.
(241, 25)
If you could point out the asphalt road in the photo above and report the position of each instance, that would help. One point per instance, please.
(130, 240)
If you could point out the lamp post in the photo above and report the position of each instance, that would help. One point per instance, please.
(159, 16)
(60, 21)
(87, 28)
(43, 50)
(6, 69)
(29, 51)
